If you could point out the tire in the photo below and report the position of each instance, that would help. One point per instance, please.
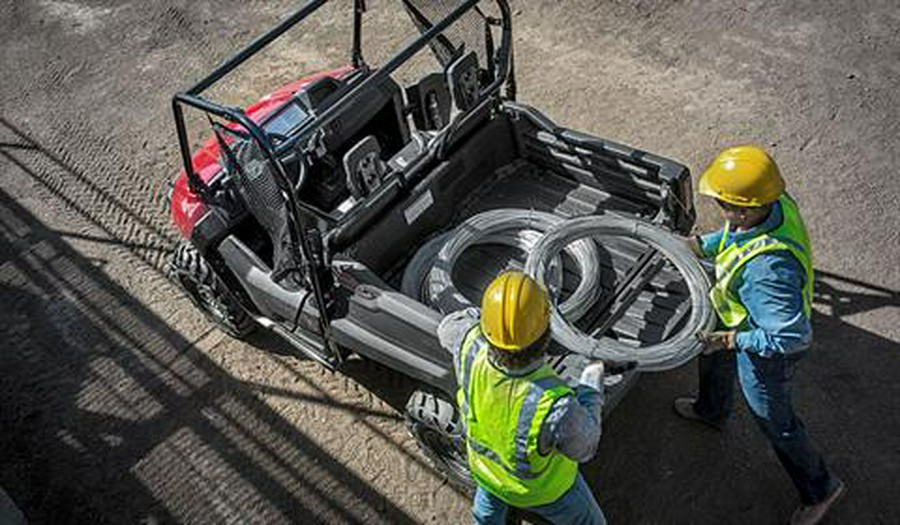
(439, 430)
(193, 274)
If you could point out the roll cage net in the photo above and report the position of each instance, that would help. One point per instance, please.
(466, 34)
(451, 28)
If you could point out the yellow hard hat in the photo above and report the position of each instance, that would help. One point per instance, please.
(743, 176)
(515, 311)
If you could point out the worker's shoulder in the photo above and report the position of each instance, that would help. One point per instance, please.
(776, 265)
(454, 326)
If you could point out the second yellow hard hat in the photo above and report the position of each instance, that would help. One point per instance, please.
(743, 176)
(515, 311)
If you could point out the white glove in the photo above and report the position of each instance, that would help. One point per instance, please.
(592, 375)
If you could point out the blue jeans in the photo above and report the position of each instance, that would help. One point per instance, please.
(766, 383)
(575, 507)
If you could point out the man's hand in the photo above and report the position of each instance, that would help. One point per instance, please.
(693, 242)
(716, 341)
(592, 375)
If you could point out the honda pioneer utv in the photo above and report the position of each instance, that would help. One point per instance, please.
(309, 212)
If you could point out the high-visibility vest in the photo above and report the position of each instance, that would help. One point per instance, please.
(790, 235)
(503, 417)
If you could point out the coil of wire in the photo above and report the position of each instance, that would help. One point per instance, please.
(443, 294)
(520, 228)
(665, 355)
(419, 267)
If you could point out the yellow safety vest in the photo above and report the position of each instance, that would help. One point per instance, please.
(503, 417)
(790, 235)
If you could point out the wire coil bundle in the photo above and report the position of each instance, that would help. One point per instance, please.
(665, 355)
(521, 229)
(543, 236)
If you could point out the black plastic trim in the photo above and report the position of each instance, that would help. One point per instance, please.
(255, 276)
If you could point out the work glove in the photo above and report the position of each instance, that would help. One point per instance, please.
(716, 341)
(592, 375)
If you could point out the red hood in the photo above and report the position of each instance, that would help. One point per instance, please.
(186, 206)
(208, 154)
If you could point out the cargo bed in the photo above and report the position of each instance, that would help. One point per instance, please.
(641, 317)
(523, 163)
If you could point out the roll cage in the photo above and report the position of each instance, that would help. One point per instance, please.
(499, 71)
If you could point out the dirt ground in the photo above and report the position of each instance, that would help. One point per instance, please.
(119, 403)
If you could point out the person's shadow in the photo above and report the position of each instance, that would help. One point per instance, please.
(654, 467)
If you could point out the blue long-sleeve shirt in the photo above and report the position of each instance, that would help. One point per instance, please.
(770, 287)
(574, 423)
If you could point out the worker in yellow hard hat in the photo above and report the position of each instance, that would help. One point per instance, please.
(763, 300)
(526, 429)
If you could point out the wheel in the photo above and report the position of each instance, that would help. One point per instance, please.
(440, 432)
(193, 274)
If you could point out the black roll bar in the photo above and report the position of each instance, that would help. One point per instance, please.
(192, 98)
(295, 229)
(381, 73)
(356, 59)
(236, 115)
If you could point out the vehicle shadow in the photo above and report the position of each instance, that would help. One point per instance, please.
(111, 416)
(391, 387)
(656, 468)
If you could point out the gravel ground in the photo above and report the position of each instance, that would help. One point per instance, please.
(121, 405)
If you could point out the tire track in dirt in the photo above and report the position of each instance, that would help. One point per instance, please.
(96, 173)
(127, 221)
(91, 163)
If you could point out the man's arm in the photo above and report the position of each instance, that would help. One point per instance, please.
(709, 243)
(452, 331)
(574, 424)
(771, 290)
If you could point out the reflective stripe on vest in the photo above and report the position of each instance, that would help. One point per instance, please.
(504, 416)
(790, 235)
(472, 344)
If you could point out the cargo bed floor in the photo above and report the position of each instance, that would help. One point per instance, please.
(643, 298)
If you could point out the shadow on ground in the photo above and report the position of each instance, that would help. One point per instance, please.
(656, 468)
(111, 416)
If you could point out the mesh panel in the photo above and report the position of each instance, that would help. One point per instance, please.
(466, 34)
(256, 184)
